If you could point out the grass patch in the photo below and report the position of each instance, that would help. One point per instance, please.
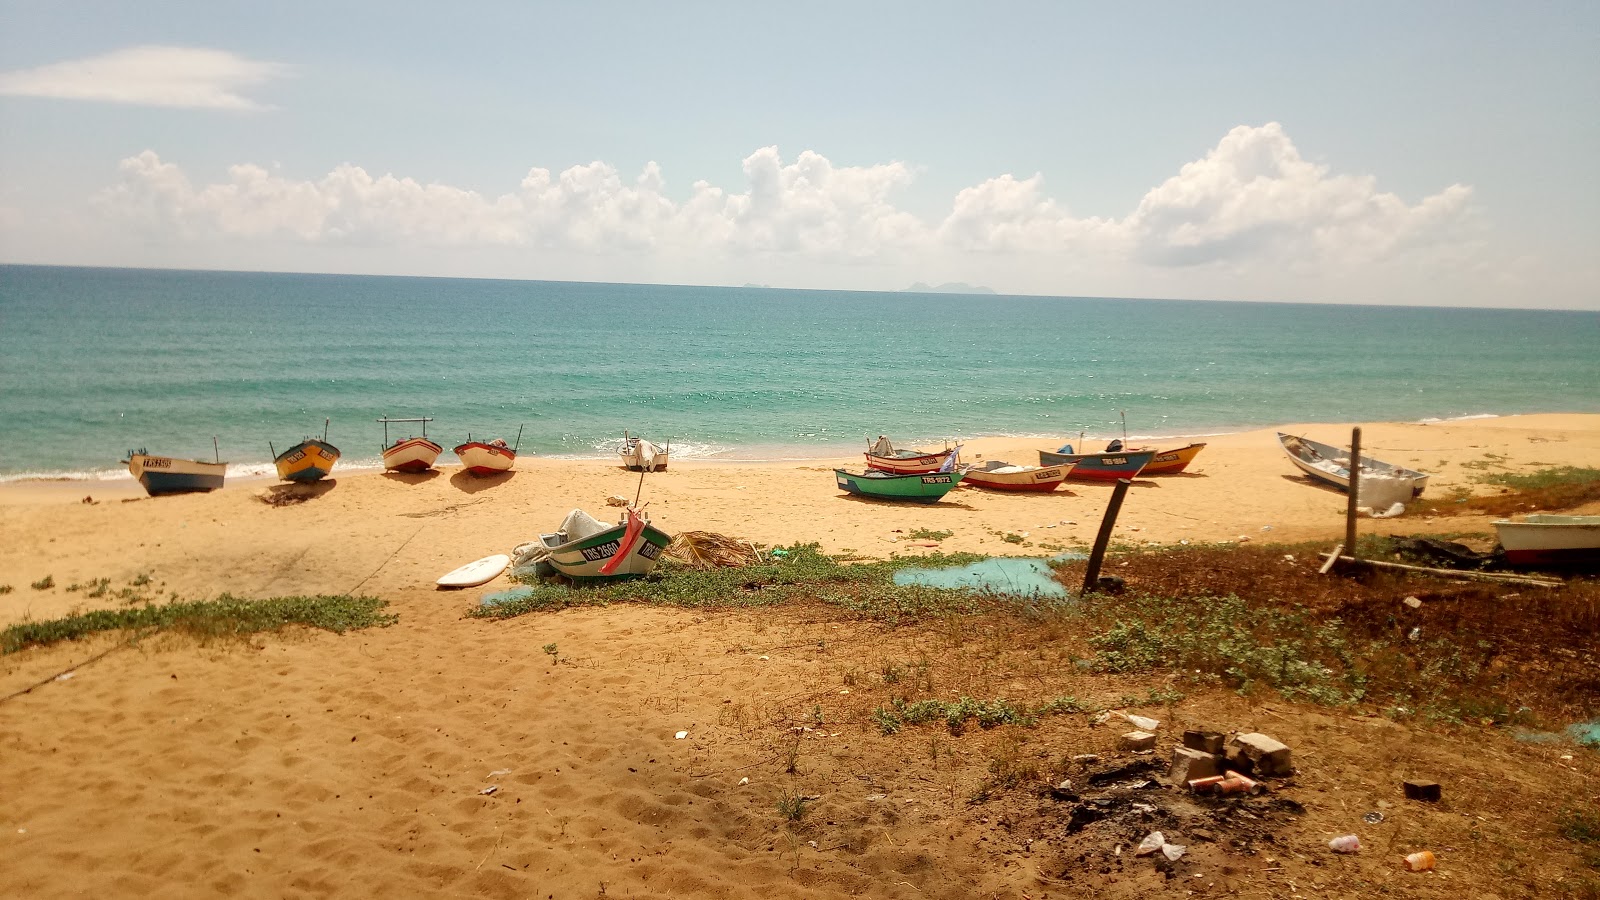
(5, 588)
(955, 715)
(804, 572)
(1287, 649)
(927, 534)
(44, 584)
(1554, 488)
(226, 616)
(793, 807)
(1582, 826)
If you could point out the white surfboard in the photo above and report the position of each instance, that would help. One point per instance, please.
(476, 572)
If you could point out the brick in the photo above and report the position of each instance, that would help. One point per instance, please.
(1189, 764)
(1259, 755)
(1428, 791)
(1204, 741)
(1138, 740)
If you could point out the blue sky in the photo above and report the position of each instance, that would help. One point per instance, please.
(1423, 153)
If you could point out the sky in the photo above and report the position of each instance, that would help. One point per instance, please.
(1418, 153)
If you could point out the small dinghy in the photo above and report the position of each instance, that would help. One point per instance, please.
(1330, 465)
(997, 475)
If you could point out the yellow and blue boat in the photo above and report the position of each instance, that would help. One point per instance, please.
(310, 460)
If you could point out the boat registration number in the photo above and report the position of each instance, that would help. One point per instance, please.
(158, 463)
(1046, 474)
(936, 479)
(1114, 461)
(649, 550)
(299, 455)
(604, 551)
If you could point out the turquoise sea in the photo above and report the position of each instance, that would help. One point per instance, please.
(94, 362)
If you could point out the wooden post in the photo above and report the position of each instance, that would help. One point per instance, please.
(1355, 490)
(1091, 575)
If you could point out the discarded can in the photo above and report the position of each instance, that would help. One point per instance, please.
(1206, 785)
(1421, 861)
(1234, 783)
(1345, 843)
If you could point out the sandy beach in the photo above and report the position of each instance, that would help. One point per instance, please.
(313, 764)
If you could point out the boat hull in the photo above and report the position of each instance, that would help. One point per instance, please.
(584, 559)
(1322, 463)
(1171, 462)
(307, 461)
(1030, 480)
(1099, 466)
(1546, 540)
(411, 455)
(920, 464)
(927, 487)
(639, 455)
(485, 459)
(166, 475)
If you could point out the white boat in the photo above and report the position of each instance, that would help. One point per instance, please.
(1331, 465)
(1003, 476)
(409, 454)
(488, 457)
(169, 475)
(640, 455)
(1549, 540)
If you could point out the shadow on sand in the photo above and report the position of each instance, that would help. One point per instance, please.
(468, 483)
(422, 477)
(293, 493)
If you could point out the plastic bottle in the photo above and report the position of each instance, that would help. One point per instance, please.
(1345, 843)
(1421, 861)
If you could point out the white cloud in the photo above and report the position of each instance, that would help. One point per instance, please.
(188, 77)
(1252, 210)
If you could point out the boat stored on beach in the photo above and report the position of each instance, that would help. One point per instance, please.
(883, 456)
(1550, 540)
(587, 550)
(488, 457)
(924, 487)
(1098, 466)
(1165, 462)
(998, 475)
(1331, 465)
(409, 454)
(640, 455)
(170, 475)
(310, 460)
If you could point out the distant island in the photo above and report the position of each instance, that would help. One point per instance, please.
(949, 287)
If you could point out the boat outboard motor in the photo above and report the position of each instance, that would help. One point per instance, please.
(1114, 447)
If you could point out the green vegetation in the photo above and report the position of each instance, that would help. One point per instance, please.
(44, 584)
(1554, 488)
(865, 589)
(1286, 649)
(226, 616)
(792, 807)
(955, 715)
(1583, 826)
(924, 534)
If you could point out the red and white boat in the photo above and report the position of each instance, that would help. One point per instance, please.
(411, 454)
(488, 457)
(997, 475)
(1549, 540)
(884, 457)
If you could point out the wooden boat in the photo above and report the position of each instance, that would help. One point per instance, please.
(884, 457)
(1003, 476)
(488, 457)
(169, 475)
(926, 487)
(1098, 466)
(1330, 465)
(587, 550)
(1165, 462)
(410, 454)
(1549, 540)
(640, 455)
(310, 460)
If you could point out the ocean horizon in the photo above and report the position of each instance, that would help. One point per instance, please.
(96, 362)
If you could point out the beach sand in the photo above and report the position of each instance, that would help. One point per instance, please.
(313, 764)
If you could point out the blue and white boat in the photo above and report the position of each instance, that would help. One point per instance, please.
(168, 475)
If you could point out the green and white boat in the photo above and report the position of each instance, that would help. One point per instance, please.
(587, 550)
(927, 487)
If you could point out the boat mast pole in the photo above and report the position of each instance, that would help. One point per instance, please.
(215, 453)
(325, 430)
(519, 439)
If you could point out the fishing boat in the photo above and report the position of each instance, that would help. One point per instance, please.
(1165, 462)
(1331, 465)
(1549, 540)
(310, 460)
(997, 475)
(925, 487)
(640, 455)
(169, 475)
(488, 457)
(409, 454)
(883, 456)
(1098, 466)
(587, 550)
